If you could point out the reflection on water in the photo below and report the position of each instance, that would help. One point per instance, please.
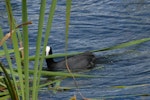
(97, 24)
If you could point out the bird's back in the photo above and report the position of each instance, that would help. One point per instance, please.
(77, 62)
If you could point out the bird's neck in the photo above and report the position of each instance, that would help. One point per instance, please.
(49, 62)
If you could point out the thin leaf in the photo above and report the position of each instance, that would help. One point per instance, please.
(10, 86)
(38, 45)
(68, 9)
(15, 45)
(26, 48)
(5, 49)
(48, 29)
(119, 46)
(124, 45)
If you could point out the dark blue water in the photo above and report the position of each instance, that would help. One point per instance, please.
(97, 24)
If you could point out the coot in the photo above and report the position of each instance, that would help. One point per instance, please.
(76, 63)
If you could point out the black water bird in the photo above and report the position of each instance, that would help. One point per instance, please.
(76, 63)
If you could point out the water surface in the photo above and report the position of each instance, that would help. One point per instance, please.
(97, 24)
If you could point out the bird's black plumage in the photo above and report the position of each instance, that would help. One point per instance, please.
(76, 63)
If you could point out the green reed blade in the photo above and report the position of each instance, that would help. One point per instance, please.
(48, 29)
(2, 84)
(2, 53)
(124, 45)
(4, 93)
(18, 62)
(26, 48)
(38, 45)
(68, 9)
(5, 49)
(131, 86)
(119, 46)
(5, 97)
(15, 46)
(51, 73)
(31, 58)
(10, 86)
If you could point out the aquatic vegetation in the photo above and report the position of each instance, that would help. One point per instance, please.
(21, 82)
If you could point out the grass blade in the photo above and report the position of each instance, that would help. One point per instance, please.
(124, 45)
(119, 46)
(10, 86)
(15, 45)
(9, 61)
(26, 48)
(48, 29)
(68, 8)
(38, 45)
